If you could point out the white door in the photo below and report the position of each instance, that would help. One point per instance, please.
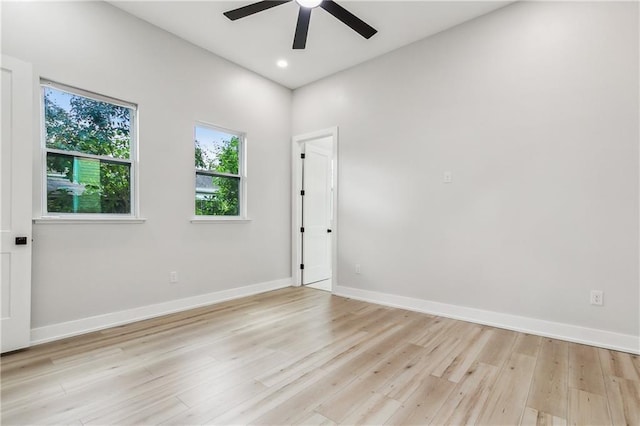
(15, 203)
(316, 213)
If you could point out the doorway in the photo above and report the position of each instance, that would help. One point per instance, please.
(314, 209)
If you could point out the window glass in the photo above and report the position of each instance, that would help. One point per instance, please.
(88, 144)
(77, 123)
(218, 172)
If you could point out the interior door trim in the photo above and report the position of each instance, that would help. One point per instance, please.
(296, 207)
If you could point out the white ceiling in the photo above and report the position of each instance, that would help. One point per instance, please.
(258, 41)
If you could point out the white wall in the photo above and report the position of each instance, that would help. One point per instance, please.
(81, 271)
(534, 108)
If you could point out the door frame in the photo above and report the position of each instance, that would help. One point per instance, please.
(296, 206)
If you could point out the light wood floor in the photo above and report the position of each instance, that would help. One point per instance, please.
(302, 356)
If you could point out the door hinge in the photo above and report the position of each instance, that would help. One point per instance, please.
(302, 266)
(302, 192)
(302, 155)
(302, 229)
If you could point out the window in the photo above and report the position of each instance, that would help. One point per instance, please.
(89, 143)
(219, 159)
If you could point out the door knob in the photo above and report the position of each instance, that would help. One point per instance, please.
(329, 231)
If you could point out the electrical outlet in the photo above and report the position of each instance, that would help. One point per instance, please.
(596, 297)
(173, 277)
(358, 270)
(447, 177)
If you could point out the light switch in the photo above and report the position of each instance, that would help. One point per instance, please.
(447, 177)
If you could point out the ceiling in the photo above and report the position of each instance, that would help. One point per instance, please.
(257, 42)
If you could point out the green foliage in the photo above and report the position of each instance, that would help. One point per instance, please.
(115, 188)
(202, 161)
(60, 201)
(90, 127)
(226, 200)
(228, 157)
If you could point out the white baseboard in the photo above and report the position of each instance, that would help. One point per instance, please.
(99, 322)
(556, 330)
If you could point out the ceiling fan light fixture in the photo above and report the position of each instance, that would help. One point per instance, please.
(304, 15)
(309, 3)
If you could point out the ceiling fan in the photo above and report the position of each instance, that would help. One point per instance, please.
(306, 6)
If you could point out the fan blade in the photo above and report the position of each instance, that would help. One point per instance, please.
(300, 39)
(245, 11)
(357, 24)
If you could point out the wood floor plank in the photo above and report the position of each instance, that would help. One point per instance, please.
(422, 405)
(298, 406)
(533, 417)
(375, 411)
(406, 381)
(225, 376)
(468, 356)
(371, 351)
(508, 398)
(585, 371)
(59, 409)
(148, 392)
(315, 419)
(619, 364)
(342, 403)
(302, 356)
(433, 331)
(527, 344)
(624, 400)
(587, 408)
(20, 393)
(498, 349)
(468, 397)
(464, 342)
(548, 393)
(299, 366)
(148, 413)
(215, 402)
(263, 402)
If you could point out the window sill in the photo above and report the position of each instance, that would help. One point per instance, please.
(58, 220)
(220, 219)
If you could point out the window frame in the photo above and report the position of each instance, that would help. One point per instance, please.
(66, 217)
(242, 176)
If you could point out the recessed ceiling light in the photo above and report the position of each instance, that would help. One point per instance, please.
(282, 63)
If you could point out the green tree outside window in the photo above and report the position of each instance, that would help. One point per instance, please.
(80, 125)
(218, 180)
